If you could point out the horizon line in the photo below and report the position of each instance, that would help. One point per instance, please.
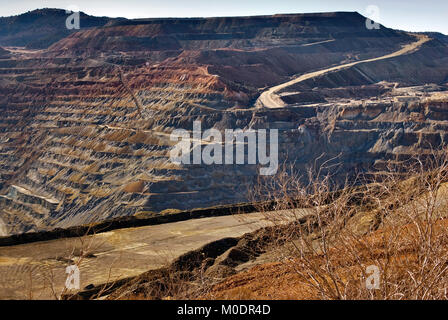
(217, 16)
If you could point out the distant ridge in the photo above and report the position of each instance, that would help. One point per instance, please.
(40, 28)
(161, 34)
(350, 15)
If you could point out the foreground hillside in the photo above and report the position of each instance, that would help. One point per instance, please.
(282, 281)
(85, 123)
(386, 240)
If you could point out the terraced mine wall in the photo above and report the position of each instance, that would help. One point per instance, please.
(85, 131)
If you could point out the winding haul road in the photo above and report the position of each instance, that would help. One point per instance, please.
(271, 99)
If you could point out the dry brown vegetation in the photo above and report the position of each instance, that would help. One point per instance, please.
(396, 223)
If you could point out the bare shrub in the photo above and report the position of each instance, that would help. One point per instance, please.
(394, 220)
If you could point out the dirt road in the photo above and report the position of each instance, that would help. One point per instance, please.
(31, 270)
(270, 98)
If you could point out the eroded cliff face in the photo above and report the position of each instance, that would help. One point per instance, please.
(85, 125)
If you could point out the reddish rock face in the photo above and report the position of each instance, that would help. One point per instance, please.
(85, 123)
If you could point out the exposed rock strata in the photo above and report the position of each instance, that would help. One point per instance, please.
(85, 124)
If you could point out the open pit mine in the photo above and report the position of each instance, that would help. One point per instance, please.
(86, 115)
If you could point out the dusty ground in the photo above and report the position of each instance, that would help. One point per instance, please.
(28, 270)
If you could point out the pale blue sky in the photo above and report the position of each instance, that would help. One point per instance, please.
(411, 15)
